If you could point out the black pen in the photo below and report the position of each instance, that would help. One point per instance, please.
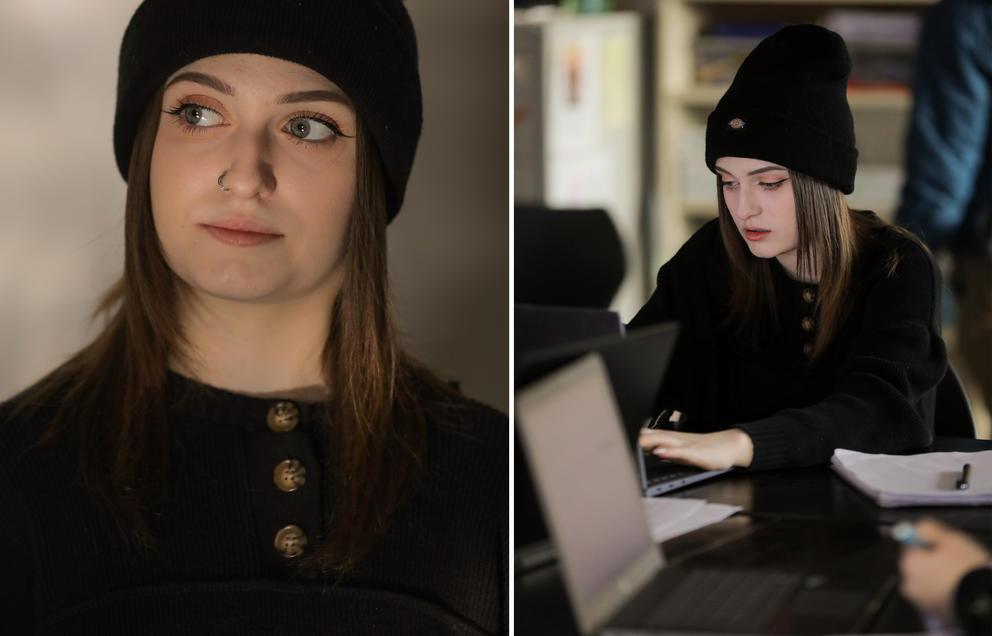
(963, 481)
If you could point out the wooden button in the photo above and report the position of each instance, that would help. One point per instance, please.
(290, 541)
(809, 294)
(290, 475)
(283, 417)
(807, 324)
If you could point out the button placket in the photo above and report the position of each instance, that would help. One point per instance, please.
(807, 323)
(289, 475)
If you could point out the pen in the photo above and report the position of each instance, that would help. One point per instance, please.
(963, 481)
(905, 533)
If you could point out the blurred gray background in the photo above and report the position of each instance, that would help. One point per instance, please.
(61, 243)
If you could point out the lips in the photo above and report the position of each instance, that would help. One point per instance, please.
(755, 233)
(241, 232)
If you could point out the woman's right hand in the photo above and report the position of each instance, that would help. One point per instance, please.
(712, 451)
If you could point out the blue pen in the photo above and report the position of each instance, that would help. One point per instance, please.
(905, 533)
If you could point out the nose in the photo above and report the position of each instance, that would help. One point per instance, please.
(249, 172)
(746, 205)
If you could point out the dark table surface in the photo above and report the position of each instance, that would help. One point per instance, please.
(835, 523)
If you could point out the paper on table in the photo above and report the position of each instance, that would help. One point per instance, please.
(670, 518)
(925, 479)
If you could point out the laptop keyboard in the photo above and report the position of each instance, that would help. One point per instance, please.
(672, 474)
(721, 600)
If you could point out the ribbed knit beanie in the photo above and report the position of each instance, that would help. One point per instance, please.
(366, 47)
(788, 105)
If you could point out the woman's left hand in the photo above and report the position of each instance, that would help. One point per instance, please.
(723, 449)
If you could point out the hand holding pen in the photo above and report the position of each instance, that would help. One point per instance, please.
(934, 561)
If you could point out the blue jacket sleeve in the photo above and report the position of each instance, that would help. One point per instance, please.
(948, 138)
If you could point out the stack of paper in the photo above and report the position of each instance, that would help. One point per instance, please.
(927, 479)
(671, 517)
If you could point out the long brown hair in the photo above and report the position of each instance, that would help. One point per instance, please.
(830, 237)
(111, 393)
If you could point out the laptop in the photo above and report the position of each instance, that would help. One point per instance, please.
(635, 364)
(537, 327)
(615, 576)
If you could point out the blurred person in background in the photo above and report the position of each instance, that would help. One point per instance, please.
(947, 196)
(950, 578)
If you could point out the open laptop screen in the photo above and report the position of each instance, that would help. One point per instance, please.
(571, 430)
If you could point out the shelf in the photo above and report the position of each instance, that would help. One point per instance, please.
(700, 211)
(859, 98)
(857, 3)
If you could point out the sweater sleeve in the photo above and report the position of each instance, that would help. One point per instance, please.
(880, 402)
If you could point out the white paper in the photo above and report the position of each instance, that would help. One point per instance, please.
(670, 518)
(926, 479)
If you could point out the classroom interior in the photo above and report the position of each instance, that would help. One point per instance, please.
(610, 105)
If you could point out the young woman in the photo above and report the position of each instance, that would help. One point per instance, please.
(806, 326)
(245, 448)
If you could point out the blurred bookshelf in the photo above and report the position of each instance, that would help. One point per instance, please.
(699, 46)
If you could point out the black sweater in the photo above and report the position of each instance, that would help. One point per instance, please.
(871, 390)
(441, 566)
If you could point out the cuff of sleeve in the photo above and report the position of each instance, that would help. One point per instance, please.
(973, 601)
(771, 447)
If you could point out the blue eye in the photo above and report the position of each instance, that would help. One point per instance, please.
(195, 115)
(312, 129)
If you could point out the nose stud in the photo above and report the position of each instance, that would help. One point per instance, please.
(220, 182)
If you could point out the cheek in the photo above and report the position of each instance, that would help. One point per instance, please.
(169, 175)
(730, 198)
(325, 204)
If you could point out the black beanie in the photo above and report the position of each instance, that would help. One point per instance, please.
(788, 105)
(367, 47)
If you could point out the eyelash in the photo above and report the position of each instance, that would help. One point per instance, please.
(773, 185)
(177, 111)
(330, 123)
(766, 185)
(177, 115)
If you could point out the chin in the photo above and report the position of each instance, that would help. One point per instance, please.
(239, 284)
(761, 251)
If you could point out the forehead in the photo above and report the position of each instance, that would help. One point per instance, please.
(742, 166)
(250, 74)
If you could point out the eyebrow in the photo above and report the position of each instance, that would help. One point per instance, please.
(202, 78)
(753, 172)
(314, 96)
(290, 98)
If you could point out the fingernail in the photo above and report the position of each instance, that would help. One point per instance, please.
(659, 451)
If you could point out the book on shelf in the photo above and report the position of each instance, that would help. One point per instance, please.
(882, 45)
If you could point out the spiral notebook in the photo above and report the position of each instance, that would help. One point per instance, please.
(924, 479)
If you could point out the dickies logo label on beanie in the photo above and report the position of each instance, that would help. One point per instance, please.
(790, 95)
